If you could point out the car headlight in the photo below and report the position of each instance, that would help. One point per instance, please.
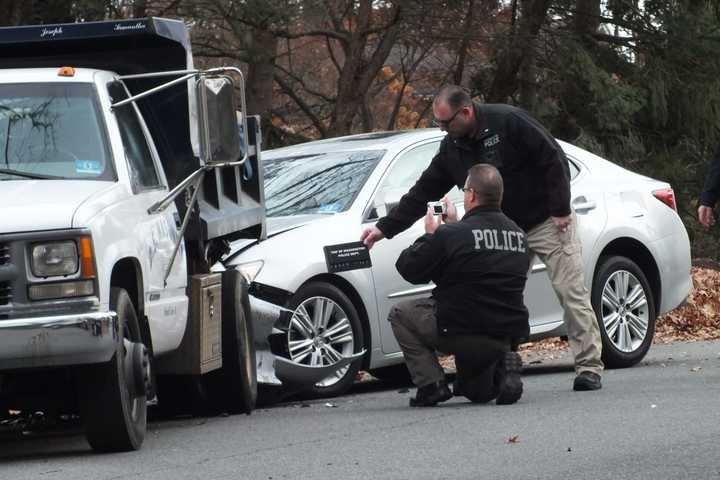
(250, 270)
(55, 259)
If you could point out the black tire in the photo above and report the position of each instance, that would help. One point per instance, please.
(334, 294)
(606, 274)
(234, 387)
(393, 374)
(114, 420)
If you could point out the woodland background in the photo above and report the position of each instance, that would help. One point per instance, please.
(635, 81)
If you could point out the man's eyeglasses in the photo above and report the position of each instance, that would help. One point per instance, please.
(446, 123)
(467, 189)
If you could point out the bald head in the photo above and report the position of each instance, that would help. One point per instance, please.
(487, 185)
(454, 97)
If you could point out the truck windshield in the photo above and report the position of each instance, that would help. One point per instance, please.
(317, 183)
(52, 130)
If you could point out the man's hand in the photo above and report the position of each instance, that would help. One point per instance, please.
(371, 235)
(706, 216)
(562, 223)
(432, 222)
(451, 215)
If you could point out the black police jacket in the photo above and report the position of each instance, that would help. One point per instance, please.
(479, 266)
(711, 191)
(532, 164)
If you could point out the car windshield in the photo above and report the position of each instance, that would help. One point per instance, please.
(52, 130)
(317, 183)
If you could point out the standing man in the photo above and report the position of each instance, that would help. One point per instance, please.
(537, 198)
(711, 193)
(479, 266)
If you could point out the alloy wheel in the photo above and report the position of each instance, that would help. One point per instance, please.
(625, 313)
(320, 334)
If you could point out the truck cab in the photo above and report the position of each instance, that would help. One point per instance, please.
(124, 173)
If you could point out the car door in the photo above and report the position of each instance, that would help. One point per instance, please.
(390, 287)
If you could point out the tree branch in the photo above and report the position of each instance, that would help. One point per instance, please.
(306, 109)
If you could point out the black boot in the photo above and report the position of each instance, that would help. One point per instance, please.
(431, 395)
(510, 386)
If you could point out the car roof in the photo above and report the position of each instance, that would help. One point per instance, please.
(364, 141)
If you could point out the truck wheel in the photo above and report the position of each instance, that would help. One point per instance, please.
(324, 327)
(624, 305)
(234, 386)
(112, 399)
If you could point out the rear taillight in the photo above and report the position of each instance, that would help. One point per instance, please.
(667, 196)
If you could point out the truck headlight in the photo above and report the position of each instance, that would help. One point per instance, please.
(250, 270)
(55, 259)
(69, 257)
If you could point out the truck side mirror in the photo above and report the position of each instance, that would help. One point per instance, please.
(218, 132)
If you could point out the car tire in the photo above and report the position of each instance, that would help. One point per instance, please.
(115, 419)
(234, 387)
(344, 318)
(625, 308)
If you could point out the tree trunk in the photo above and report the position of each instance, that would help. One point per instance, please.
(532, 15)
(358, 72)
(262, 49)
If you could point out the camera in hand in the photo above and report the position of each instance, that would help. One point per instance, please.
(438, 208)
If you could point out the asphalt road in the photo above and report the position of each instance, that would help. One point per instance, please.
(660, 420)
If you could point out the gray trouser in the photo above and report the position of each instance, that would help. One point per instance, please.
(561, 253)
(415, 326)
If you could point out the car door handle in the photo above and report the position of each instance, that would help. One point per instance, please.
(582, 204)
(178, 222)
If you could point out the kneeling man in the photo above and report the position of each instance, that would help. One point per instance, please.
(479, 266)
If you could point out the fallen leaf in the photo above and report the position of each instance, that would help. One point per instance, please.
(513, 439)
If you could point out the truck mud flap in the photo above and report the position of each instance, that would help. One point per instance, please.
(293, 374)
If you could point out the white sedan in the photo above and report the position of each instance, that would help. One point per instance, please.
(635, 250)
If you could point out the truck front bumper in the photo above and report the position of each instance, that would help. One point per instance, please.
(56, 341)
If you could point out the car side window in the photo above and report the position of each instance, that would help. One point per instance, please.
(403, 174)
(574, 169)
(142, 167)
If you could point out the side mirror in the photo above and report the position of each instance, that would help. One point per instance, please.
(219, 133)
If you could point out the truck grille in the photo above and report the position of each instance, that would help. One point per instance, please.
(5, 293)
(4, 254)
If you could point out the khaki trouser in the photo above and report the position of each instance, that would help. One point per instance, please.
(414, 324)
(561, 253)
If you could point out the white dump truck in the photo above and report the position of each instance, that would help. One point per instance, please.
(124, 173)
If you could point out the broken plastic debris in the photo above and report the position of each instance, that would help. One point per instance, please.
(696, 369)
(330, 405)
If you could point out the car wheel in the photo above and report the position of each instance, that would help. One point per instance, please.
(325, 327)
(625, 308)
(112, 398)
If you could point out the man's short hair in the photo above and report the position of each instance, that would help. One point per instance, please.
(455, 96)
(487, 183)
